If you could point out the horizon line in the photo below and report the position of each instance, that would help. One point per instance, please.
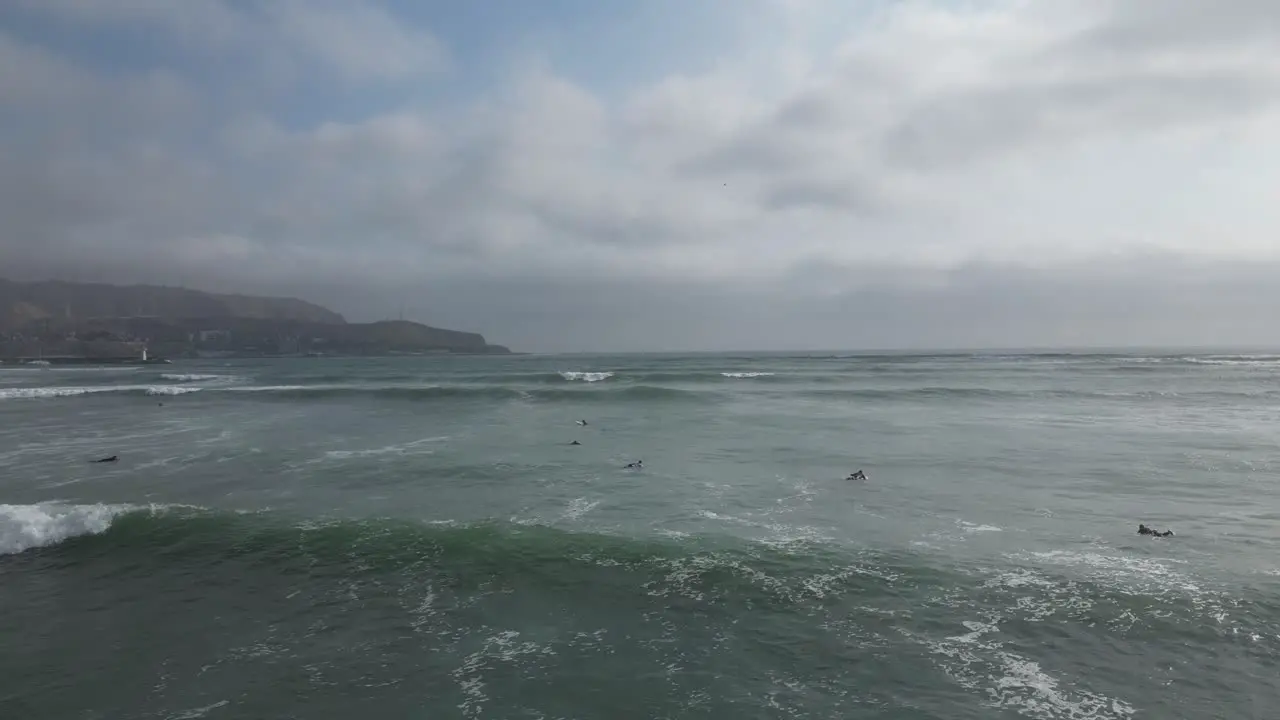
(948, 351)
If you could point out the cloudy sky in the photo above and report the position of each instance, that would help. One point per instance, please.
(664, 174)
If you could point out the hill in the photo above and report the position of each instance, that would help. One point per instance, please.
(95, 320)
(23, 302)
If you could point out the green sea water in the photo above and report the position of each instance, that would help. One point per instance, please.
(417, 538)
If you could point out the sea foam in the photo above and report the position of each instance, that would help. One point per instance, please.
(586, 376)
(23, 527)
(46, 393)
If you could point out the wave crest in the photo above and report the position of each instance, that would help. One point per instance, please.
(171, 390)
(23, 527)
(586, 376)
(46, 393)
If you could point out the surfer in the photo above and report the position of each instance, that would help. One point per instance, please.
(575, 442)
(859, 475)
(637, 465)
(583, 423)
(113, 458)
(1144, 530)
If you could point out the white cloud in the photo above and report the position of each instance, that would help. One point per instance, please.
(359, 41)
(841, 151)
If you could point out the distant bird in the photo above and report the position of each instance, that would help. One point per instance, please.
(575, 442)
(637, 465)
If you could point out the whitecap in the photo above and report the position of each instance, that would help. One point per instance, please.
(1010, 681)
(586, 376)
(45, 393)
(41, 393)
(23, 527)
(171, 390)
(975, 528)
(410, 448)
(579, 507)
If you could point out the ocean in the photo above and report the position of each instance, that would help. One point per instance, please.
(417, 537)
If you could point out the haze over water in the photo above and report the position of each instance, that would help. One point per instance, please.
(416, 537)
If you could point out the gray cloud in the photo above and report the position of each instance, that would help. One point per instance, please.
(978, 125)
(1139, 26)
(863, 202)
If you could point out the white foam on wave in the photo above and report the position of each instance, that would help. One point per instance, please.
(426, 611)
(821, 585)
(586, 376)
(23, 527)
(975, 528)
(687, 577)
(191, 377)
(781, 536)
(45, 393)
(747, 374)
(373, 452)
(1027, 689)
(171, 390)
(1013, 682)
(199, 712)
(40, 393)
(1039, 598)
(1241, 360)
(414, 447)
(501, 647)
(579, 507)
(1141, 576)
(1020, 579)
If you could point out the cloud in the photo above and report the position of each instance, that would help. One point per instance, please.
(886, 165)
(360, 42)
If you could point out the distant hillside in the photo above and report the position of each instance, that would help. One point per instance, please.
(23, 302)
(51, 318)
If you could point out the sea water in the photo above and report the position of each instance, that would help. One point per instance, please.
(418, 537)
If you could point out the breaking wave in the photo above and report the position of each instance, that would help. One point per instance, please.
(979, 626)
(586, 376)
(596, 391)
(44, 393)
(23, 527)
